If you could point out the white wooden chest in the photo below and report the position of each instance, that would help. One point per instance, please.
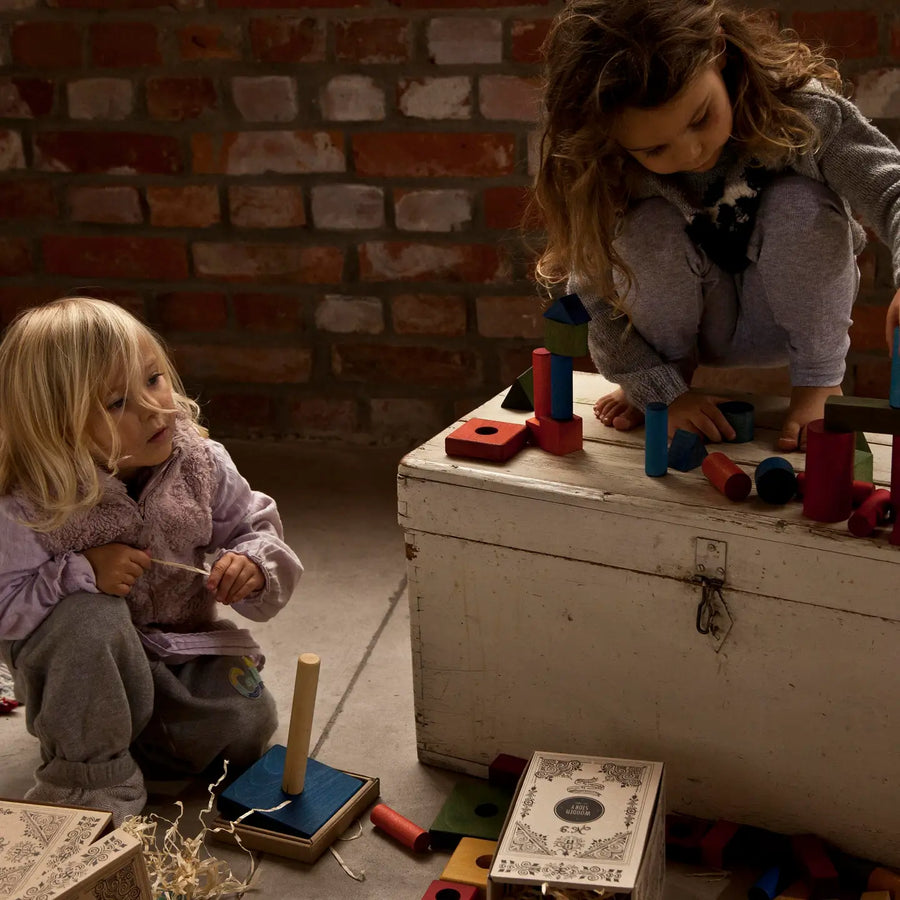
(554, 602)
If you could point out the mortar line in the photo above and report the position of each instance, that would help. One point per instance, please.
(392, 605)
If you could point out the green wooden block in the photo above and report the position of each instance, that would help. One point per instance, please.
(861, 414)
(863, 463)
(566, 340)
(472, 810)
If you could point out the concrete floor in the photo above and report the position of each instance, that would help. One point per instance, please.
(339, 511)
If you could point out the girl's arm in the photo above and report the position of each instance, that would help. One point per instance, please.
(247, 522)
(622, 356)
(31, 581)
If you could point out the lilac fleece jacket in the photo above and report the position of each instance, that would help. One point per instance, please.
(195, 503)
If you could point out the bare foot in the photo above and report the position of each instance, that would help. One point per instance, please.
(614, 410)
(807, 405)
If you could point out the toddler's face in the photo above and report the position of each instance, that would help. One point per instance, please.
(143, 419)
(687, 134)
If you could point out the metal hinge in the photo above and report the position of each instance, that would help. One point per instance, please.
(713, 617)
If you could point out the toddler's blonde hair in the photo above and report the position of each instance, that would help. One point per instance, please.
(56, 363)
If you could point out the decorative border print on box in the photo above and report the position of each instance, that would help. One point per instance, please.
(584, 822)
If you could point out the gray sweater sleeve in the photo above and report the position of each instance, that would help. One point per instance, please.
(622, 356)
(859, 163)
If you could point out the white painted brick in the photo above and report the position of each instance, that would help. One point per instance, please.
(269, 99)
(441, 210)
(12, 156)
(347, 206)
(878, 93)
(100, 98)
(352, 98)
(463, 41)
(350, 315)
(436, 98)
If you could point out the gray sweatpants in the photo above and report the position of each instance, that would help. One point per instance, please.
(96, 702)
(791, 305)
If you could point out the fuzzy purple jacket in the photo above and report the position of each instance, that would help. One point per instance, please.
(194, 504)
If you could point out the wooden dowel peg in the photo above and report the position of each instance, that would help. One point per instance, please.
(300, 729)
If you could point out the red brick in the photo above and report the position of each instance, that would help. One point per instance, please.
(236, 414)
(291, 4)
(268, 263)
(263, 364)
(113, 256)
(266, 206)
(15, 256)
(895, 39)
(118, 5)
(867, 331)
(115, 44)
(177, 99)
(872, 378)
(184, 206)
(407, 261)
(117, 152)
(12, 153)
(110, 204)
(372, 40)
(15, 298)
(851, 33)
(192, 311)
(509, 97)
(438, 314)
(287, 40)
(199, 41)
(465, 4)
(268, 313)
(505, 206)
(527, 38)
(25, 98)
(30, 198)
(320, 416)
(417, 154)
(510, 317)
(50, 45)
(266, 152)
(377, 363)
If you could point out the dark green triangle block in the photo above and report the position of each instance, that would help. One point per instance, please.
(520, 396)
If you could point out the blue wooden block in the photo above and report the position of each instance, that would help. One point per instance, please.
(776, 481)
(894, 395)
(687, 450)
(325, 791)
(656, 439)
(569, 310)
(560, 387)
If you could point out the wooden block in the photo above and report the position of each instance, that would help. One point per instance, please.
(556, 436)
(740, 415)
(486, 439)
(569, 310)
(656, 439)
(827, 488)
(714, 842)
(768, 885)
(450, 890)
(861, 414)
(881, 879)
(726, 476)
(566, 340)
(306, 850)
(875, 895)
(399, 827)
(686, 451)
(473, 809)
(776, 482)
(470, 862)
(506, 770)
(520, 395)
(540, 367)
(863, 461)
(894, 392)
(796, 890)
(874, 511)
(684, 835)
(811, 858)
(560, 387)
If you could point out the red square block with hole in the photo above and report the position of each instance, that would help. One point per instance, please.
(559, 436)
(486, 439)
(450, 890)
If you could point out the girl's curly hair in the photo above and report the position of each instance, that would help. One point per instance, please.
(603, 55)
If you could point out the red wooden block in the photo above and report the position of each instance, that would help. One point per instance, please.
(506, 770)
(810, 854)
(827, 492)
(684, 837)
(714, 842)
(540, 369)
(557, 436)
(873, 512)
(486, 439)
(726, 476)
(860, 491)
(450, 890)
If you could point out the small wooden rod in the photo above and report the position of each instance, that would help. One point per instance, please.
(300, 729)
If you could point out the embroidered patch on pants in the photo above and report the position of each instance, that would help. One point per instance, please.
(245, 680)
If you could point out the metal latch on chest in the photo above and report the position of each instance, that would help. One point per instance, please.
(713, 617)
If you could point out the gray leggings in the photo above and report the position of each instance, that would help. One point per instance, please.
(791, 305)
(96, 702)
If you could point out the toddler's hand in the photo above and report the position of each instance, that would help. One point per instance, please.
(700, 414)
(233, 577)
(117, 567)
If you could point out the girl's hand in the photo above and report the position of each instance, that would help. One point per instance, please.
(117, 567)
(233, 577)
(891, 321)
(698, 413)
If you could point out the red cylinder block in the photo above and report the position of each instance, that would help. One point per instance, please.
(400, 828)
(860, 490)
(872, 513)
(726, 477)
(540, 370)
(827, 488)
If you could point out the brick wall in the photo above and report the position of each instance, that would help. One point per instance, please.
(316, 202)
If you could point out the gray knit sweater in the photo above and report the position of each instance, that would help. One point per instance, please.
(854, 159)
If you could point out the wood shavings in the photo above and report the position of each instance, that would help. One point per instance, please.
(181, 868)
(177, 565)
